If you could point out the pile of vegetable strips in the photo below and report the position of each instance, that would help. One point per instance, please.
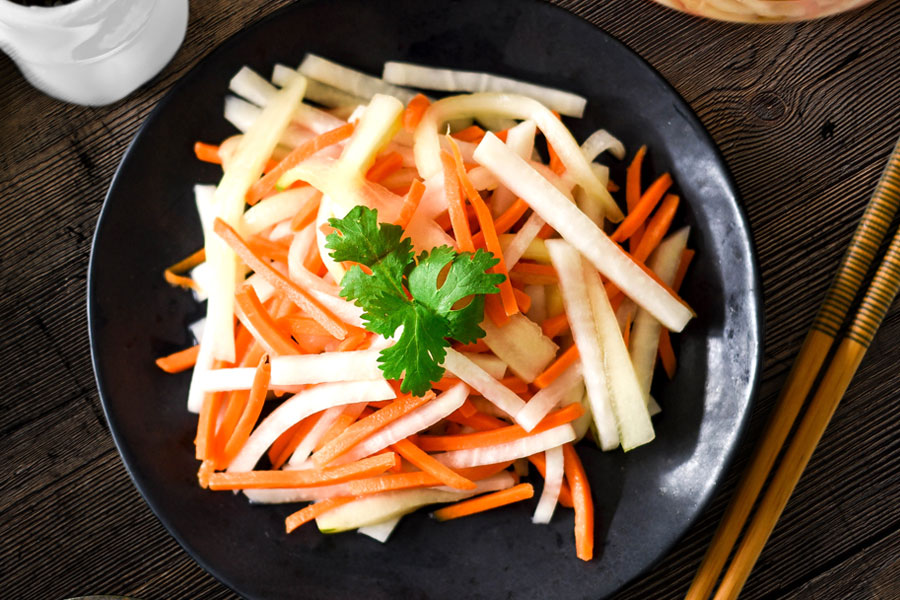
(407, 305)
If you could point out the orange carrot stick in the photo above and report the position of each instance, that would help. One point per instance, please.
(174, 274)
(179, 361)
(517, 493)
(476, 347)
(540, 463)
(267, 182)
(366, 467)
(260, 321)
(478, 421)
(533, 273)
(472, 133)
(523, 300)
(667, 353)
(512, 382)
(457, 210)
(657, 227)
(686, 257)
(642, 209)
(583, 503)
(384, 166)
(410, 203)
(493, 308)
(633, 187)
(307, 213)
(206, 424)
(312, 511)
(207, 153)
(443, 443)
(490, 234)
(344, 420)
(297, 295)
(367, 426)
(553, 326)
(414, 111)
(504, 221)
(253, 407)
(558, 367)
(424, 461)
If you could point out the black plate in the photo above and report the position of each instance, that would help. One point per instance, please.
(645, 500)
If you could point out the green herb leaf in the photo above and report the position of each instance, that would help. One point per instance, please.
(445, 298)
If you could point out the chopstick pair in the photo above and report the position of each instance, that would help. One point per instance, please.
(855, 264)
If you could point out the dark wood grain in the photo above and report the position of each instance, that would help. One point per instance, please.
(805, 115)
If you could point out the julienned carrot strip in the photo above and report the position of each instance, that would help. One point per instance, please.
(367, 467)
(180, 281)
(556, 165)
(583, 504)
(633, 187)
(414, 111)
(540, 463)
(444, 443)
(467, 409)
(410, 203)
(413, 479)
(303, 326)
(612, 186)
(667, 353)
(426, 463)
(553, 326)
(281, 442)
(472, 133)
(657, 227)
(493, 308)
(523, 300)
(626, 330)
(490, 234)
(534, 273)
(234, 407)
(307, 213)
(383, 166)
(185, 264)
(353, 341)
(297, 295)
(456, 204)
(253, 407)
(267, 182)
(558, 367)
(344, 420)
(312, 511)
(267, 248)
(514, 384)
(686, 257)
(367, 426)
(642, 209)
(478, 421)
(259, 320)
(504, 221)
(523, 491)
(179, 361)
(206, 424)
(207, 153)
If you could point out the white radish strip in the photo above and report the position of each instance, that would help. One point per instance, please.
(316, 91)
(202, 273)
(275, 209)
(264, 290)
(260, 339)
(427, 147)
(301, 369)
(302, 405)
(548, 398)
(520, 140)
(326, 211)
(451, 80)
(534, 251)
(582, 424)
(482, 179)
(380, 531)
(493, 366)
(375, 129)
(582, 233)
(553, 478)
(421, 418)
(252, 86)
(305, 448)
(520, 448)
(347, 312)
(196, 329)
(244, 169)
(494, 391)
(521, 344)
(202, 367)
(317, 121)
(626, 397)
(601, 141)
(567, 263)
(522, 239)
(243, 115)
(645, 330)
(303, 242)
(537, 312)
(350, 80)
(281, 230)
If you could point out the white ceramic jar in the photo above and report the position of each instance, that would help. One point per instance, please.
(92, 52)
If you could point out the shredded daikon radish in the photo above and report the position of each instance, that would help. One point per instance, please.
(548, 398)
(497, 393)
(451, 80)
(553, 478)
(304, 449)
(302, 405)
(380, 531)
(567, 263)
(243, 115)
(521, 344)
(582, 233)
(316, 91)
(520, 448)
(602, 141)
(274, 209)
(520, 139)
(350, 80)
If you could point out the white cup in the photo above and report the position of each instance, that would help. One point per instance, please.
(92, 52)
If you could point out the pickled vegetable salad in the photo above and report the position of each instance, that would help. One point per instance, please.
(417, 302)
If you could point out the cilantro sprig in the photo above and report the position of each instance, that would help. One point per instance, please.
(435, 297)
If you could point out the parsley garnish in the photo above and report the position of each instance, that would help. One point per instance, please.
(426, 312)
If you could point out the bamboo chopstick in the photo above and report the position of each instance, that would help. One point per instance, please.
(859, 257)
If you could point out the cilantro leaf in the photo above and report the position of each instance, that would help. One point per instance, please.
(445, 298)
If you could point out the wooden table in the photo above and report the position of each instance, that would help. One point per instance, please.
(805, 115)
